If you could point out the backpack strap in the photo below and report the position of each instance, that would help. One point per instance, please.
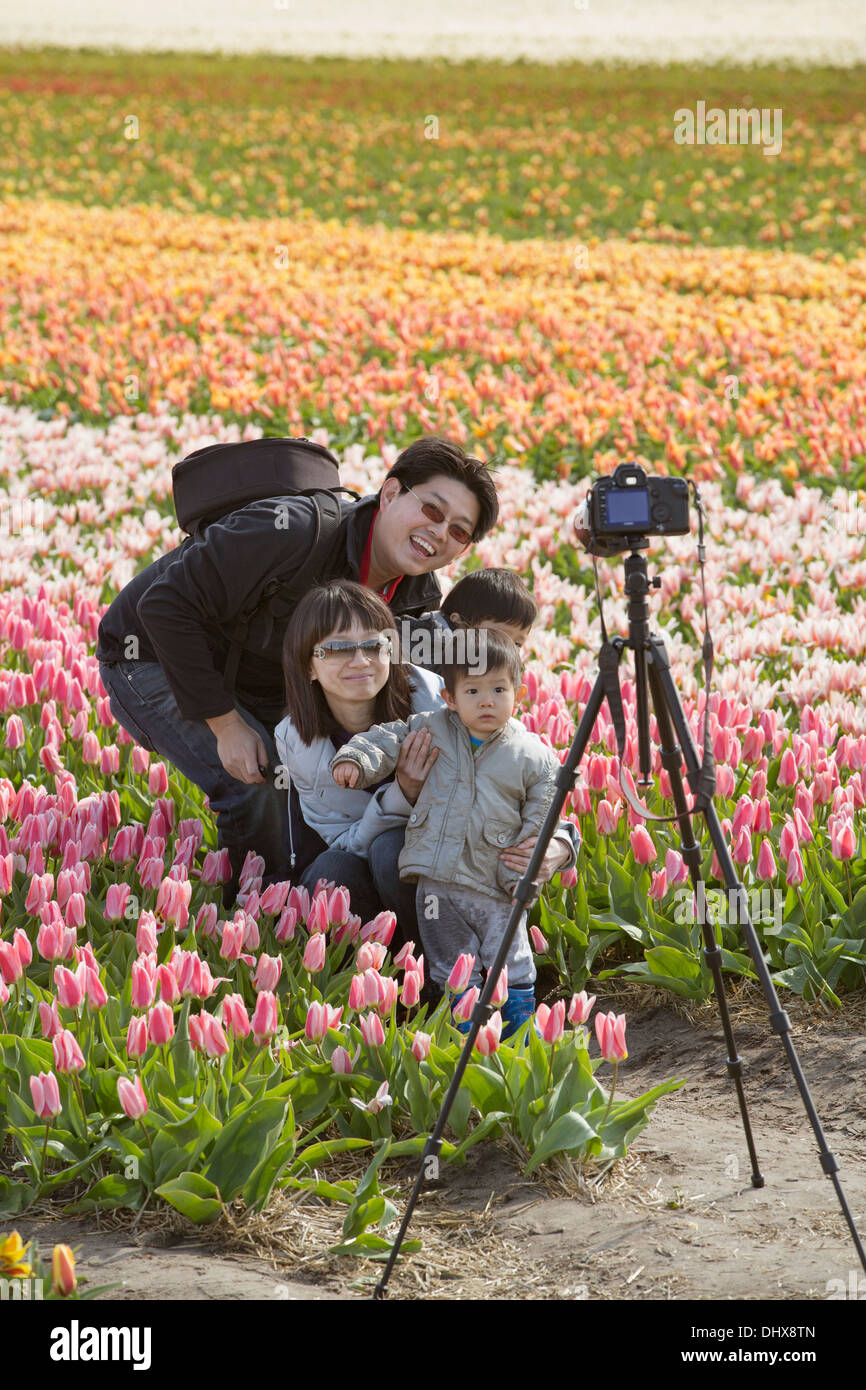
(328, 518)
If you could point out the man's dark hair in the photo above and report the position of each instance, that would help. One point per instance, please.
(491, 595)
(330, 608)
(501, 655)
(433, 456)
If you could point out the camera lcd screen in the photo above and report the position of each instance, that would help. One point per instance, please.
(628, 506)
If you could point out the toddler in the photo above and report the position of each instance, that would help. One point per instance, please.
(490, 786)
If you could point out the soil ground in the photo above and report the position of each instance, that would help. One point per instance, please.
(679, 1219)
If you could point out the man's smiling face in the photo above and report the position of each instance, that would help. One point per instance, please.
(406, 541)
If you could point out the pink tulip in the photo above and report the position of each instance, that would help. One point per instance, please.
(843, 840)
(284, 929)
(109, 760)
(318, 921)
(55, 942)
(321, 1017)
(550, 1023)
(500, 989)
(315, 953)
(97, 995)
(358, 993)
(643, 849)
(214, 1040)
(7, 873)
(421, 1046)
(157, 779)
(131, 1096)
(462, 1010)
(70, 988)
(67, 1054)
(14, 732)
(265, 1016)
(90, 750)
(235, 1016)
(658, 887)
(172, 901)
(489, 1034)
(145, 934)
(116, 900)
(49, 1019)
(140, 760)
(744, 815)
(341, 1062)
(232, 942)
(268, 972)
(753, 743)
(136, 1037)
(804, 830)
(788, 774)
(10, 963)
(581, 1007)
(371, 1029)
(40, 890)
(795, 872)
(196, 1036)
(76, 910)
(206, 922)
(763, 816)
(742, 850)
(381, 928)
(399, 960)
(606, 818)
(461, 972)
(803, 802)
(788, 840)
(539, 941)
(610, 1032)
(46, 1095)
(411, 991)
(22, 947)
(371, 955)
(338, 907)
(143, 986)
(766, 861)
(160, 1024)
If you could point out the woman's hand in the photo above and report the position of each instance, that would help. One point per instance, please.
(517, 857)
(346, 774)
(416, 759)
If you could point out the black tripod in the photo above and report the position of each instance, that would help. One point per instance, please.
(651, 666)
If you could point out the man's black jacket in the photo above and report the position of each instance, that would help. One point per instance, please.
(183, 607)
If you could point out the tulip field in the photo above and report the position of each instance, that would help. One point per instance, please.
(189, 255)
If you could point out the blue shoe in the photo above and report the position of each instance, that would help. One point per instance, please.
(518, 1007)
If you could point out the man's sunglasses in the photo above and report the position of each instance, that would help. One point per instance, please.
(371, 647)
(433, 513)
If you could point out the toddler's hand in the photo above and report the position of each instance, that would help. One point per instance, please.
(346, 774)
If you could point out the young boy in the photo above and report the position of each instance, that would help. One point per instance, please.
(490, 786)
(483, 598)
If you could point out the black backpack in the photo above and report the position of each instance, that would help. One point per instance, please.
(221, 478)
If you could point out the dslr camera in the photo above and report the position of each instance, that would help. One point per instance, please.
(622, 508)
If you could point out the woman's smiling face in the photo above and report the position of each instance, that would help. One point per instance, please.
(359, 676)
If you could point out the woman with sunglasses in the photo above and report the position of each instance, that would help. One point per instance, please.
(340, 680)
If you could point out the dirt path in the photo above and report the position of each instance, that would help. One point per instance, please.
(679, 1221)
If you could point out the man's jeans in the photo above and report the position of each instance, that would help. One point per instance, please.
(249, 816)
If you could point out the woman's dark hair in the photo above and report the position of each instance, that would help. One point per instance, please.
(500, 654)
(491, 595)
(433, 457)
(332, 608)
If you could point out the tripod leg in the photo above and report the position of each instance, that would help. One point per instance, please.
(781, 1024)
(672, 758)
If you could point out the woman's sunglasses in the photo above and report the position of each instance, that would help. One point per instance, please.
(433, 513)
(371, 647)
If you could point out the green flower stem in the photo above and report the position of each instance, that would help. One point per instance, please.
(610, 1097)
(42, 1156)
(505, 1081)
(550, 1071)
(76, 1081)
(848, 878)
(150, 1147)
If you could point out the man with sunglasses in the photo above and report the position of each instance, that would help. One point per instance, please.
(163, 643)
